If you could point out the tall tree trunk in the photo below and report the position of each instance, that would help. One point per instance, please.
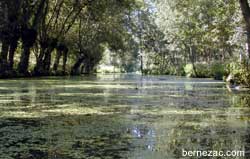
(141, 67)
(38, 69)
(24, 60)
(57, 60)
(76, 67)
(192, 59)
(91, 66)
(246, 14)
(28, 39)
(4, 53)
(47, 61)
(65, 58)
(13, 47)
(3, 57)
(29, 36)
(86, 65)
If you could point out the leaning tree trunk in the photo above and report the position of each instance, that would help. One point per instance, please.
(246, 14)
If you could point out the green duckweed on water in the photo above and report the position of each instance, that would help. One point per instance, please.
(120, 116)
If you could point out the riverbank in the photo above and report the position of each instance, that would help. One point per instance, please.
(232, 80)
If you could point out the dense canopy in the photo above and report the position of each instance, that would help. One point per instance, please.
(196, 38)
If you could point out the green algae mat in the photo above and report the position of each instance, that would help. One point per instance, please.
(120, 116)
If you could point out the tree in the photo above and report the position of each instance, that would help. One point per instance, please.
(103, 25)
(244, 4)
(9, 33)
(29, 28)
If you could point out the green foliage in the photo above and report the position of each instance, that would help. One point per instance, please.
(214, 70)
(234, 69)
(218, 70)
(161, 36)
(201, 31)
(240, 72)
(189, 70)
(206, 25)
(202, 70)
(197, 70)
(170, 70)
(84, 28)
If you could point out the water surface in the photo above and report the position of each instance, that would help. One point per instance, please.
(120, 116)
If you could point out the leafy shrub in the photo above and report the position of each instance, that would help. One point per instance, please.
(218, 70)
(189, 70)
(169, 70)
(240, 72)
(202, 70)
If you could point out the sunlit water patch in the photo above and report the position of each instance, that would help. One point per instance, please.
(120, 116)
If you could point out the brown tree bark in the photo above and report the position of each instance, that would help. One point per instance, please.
(246, 15)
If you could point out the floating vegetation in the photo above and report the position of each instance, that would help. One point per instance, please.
(77, 118)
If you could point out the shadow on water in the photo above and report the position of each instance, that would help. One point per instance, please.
(120, 116)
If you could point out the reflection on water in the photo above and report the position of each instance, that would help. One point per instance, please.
(120, 116)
